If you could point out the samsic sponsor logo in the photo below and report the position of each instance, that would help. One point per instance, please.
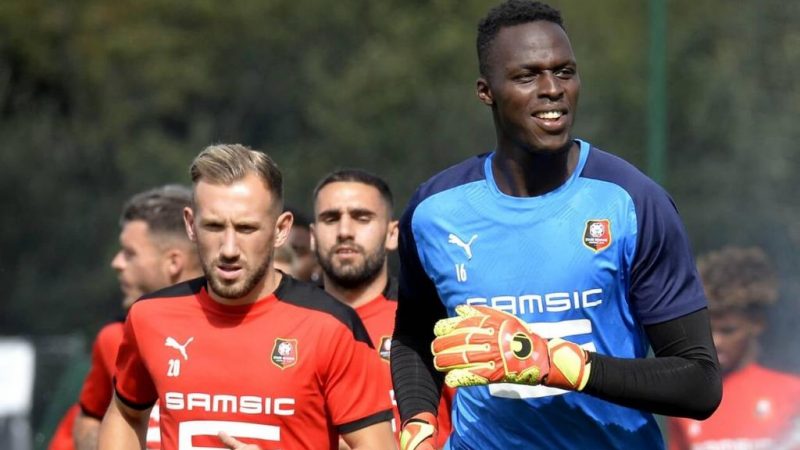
(245, 404)
(541, 303)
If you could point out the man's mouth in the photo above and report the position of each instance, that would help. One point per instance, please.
(229, 271)
(551, 121)
(548, 115)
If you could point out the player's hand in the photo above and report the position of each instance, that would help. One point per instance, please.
(234, 444)
(419, 432)
(482, 345)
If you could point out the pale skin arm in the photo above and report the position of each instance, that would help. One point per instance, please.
(85, 432)
(374, 437)
(123, 428)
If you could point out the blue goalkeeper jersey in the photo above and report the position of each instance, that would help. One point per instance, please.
(592, 262)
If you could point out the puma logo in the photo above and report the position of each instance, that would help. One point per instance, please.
(453, 239)
(172, 343)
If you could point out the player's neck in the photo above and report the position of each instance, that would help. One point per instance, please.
(521, 173)
(187, 275)
(262, 290)
(359, 295)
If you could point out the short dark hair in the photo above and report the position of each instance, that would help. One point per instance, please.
(508, 14)
(161, 208)
(358, 176)
(738, 279)
(300, 218)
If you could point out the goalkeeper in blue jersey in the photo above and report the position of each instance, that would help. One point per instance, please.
(540, 273)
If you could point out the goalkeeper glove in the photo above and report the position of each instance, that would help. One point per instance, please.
(419, 432)
(482, 345)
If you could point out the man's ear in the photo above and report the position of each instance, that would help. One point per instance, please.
(174, 263)
(392, 233)
(283, 226)
(188, 222)
(312, 237)
(484, 92)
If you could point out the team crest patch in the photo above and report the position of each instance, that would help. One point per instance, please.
(597, 234)
(284, 353)
(386, 347)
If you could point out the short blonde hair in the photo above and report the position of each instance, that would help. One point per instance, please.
(228, 163)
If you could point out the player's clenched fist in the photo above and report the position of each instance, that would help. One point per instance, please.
(483, 345)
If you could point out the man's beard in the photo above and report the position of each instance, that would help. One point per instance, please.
(355, 275)
(241, 287)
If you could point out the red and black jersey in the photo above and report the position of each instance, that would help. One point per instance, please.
(62, 436)
(760, 409)
(378, 317)
(97, 391)
(289, 371)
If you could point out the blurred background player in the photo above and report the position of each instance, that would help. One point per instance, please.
(244, 354)
(352, 233)
(286, 260)
(760, 407)
(306, 266)
(155, 252)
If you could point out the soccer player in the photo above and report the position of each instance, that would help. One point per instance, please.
(352, 232)
(558, 265)
(154, 253)
(761, 406)
(245, 350)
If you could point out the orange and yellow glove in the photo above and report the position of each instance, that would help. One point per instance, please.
(419, 432)
(482, 345)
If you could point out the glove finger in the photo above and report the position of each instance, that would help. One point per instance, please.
(469, 311)
(462, 377)
(447, 326)
(467, 357)
(462, 337)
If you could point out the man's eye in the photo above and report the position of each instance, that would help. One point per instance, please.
(565, 73)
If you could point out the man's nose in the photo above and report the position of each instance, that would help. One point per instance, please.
(230, 245)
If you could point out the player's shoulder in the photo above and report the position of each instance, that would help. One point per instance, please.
(467, 171)
(110, 334)
(314, 300)
(604, 166)
(773, 376)
(154, 301)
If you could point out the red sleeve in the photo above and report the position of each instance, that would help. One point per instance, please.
(353, 397)
(97, 391)
(133, 383)
(62, 438)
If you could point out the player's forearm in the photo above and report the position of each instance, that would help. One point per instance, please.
(123, 428)
(377, 436)
(682, 380)
(417, 385)
(85, 432)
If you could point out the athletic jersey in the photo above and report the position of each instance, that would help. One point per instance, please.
(591, 261)
(290, 371)
(760, 410)
(378, 317)
(97, 391)
(62, 436)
